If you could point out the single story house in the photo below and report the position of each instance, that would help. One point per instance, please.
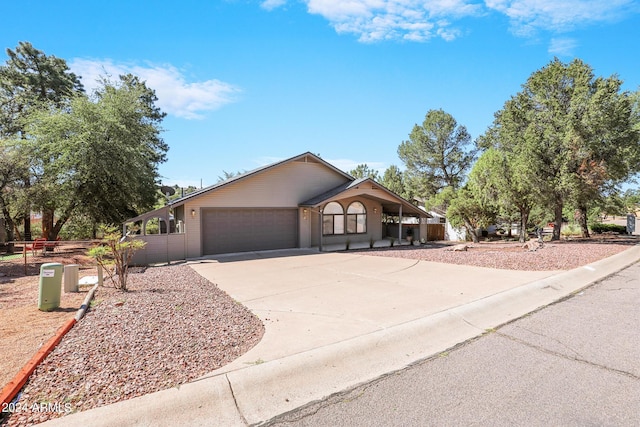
(301, 202)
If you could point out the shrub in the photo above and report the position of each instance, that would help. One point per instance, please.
(115, 254)
(604, 228)
(570, 230)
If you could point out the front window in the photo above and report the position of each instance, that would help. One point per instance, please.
(356, 218)
(333, 219)
(155, 225)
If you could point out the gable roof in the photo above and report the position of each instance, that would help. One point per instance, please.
(308, 156)
(352, 183)
(392, 208)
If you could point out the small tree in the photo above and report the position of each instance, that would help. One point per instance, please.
(114, 255)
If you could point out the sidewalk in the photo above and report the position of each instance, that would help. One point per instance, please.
(337, 320)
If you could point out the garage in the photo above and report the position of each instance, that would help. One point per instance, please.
(226, 230)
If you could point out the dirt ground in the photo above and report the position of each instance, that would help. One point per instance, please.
(24, 328)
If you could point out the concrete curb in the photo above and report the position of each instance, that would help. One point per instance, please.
(262, 392)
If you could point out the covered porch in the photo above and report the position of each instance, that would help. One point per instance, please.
(361, 214)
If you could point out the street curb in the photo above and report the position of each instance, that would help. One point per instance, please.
(15, 385)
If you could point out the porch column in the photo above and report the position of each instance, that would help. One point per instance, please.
(400, 224)
(320, 230)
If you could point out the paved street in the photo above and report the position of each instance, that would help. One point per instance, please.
(574, 363)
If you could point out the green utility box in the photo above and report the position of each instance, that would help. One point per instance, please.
(50, 285)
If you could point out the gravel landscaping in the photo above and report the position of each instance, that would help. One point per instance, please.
(558, 255)
(173, 326)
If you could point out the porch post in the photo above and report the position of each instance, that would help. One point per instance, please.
(167, 223)
(400, 225)
(320, 224)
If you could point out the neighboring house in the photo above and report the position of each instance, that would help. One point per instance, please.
(439, 228)
(301, 202)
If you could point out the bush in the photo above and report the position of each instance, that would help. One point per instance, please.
(571, 230)
(115, 254)
(604, 228)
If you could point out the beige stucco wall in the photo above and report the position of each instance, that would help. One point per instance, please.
(374, 223)
(284, 186)
(161, 248)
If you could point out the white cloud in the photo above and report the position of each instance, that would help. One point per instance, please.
(422, 20)
(272, 4)
(176, 96)
(529, 16)
(562, 46)
(376, 20)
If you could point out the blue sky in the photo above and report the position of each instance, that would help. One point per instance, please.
(246, 83)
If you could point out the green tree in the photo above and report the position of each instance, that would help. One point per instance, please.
(572, 132)
(631, 201)
(364, 171)
(393, 179)
(466, 208)
(501, 179)
(437, 155)
(14, 166)
(98, 156)
(30, 81)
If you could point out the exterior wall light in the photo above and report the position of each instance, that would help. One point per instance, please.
(193, 213)
(304, 213)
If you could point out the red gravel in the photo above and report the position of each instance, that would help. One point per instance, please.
(170, 328)
(560, 255)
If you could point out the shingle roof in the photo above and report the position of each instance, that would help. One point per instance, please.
(254, 172)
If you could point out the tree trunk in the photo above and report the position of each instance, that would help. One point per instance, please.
(581, 215)
(471, 230)
(524, 219)
(27, 226)
(9, 226)
(557, 224)
(53, 234)
(27, 214)
(47, 223)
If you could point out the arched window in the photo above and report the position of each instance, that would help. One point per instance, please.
(333, 219)
(356, 218)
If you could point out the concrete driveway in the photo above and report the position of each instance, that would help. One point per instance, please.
(307, 300)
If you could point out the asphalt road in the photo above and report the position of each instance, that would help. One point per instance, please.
(574, 363)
